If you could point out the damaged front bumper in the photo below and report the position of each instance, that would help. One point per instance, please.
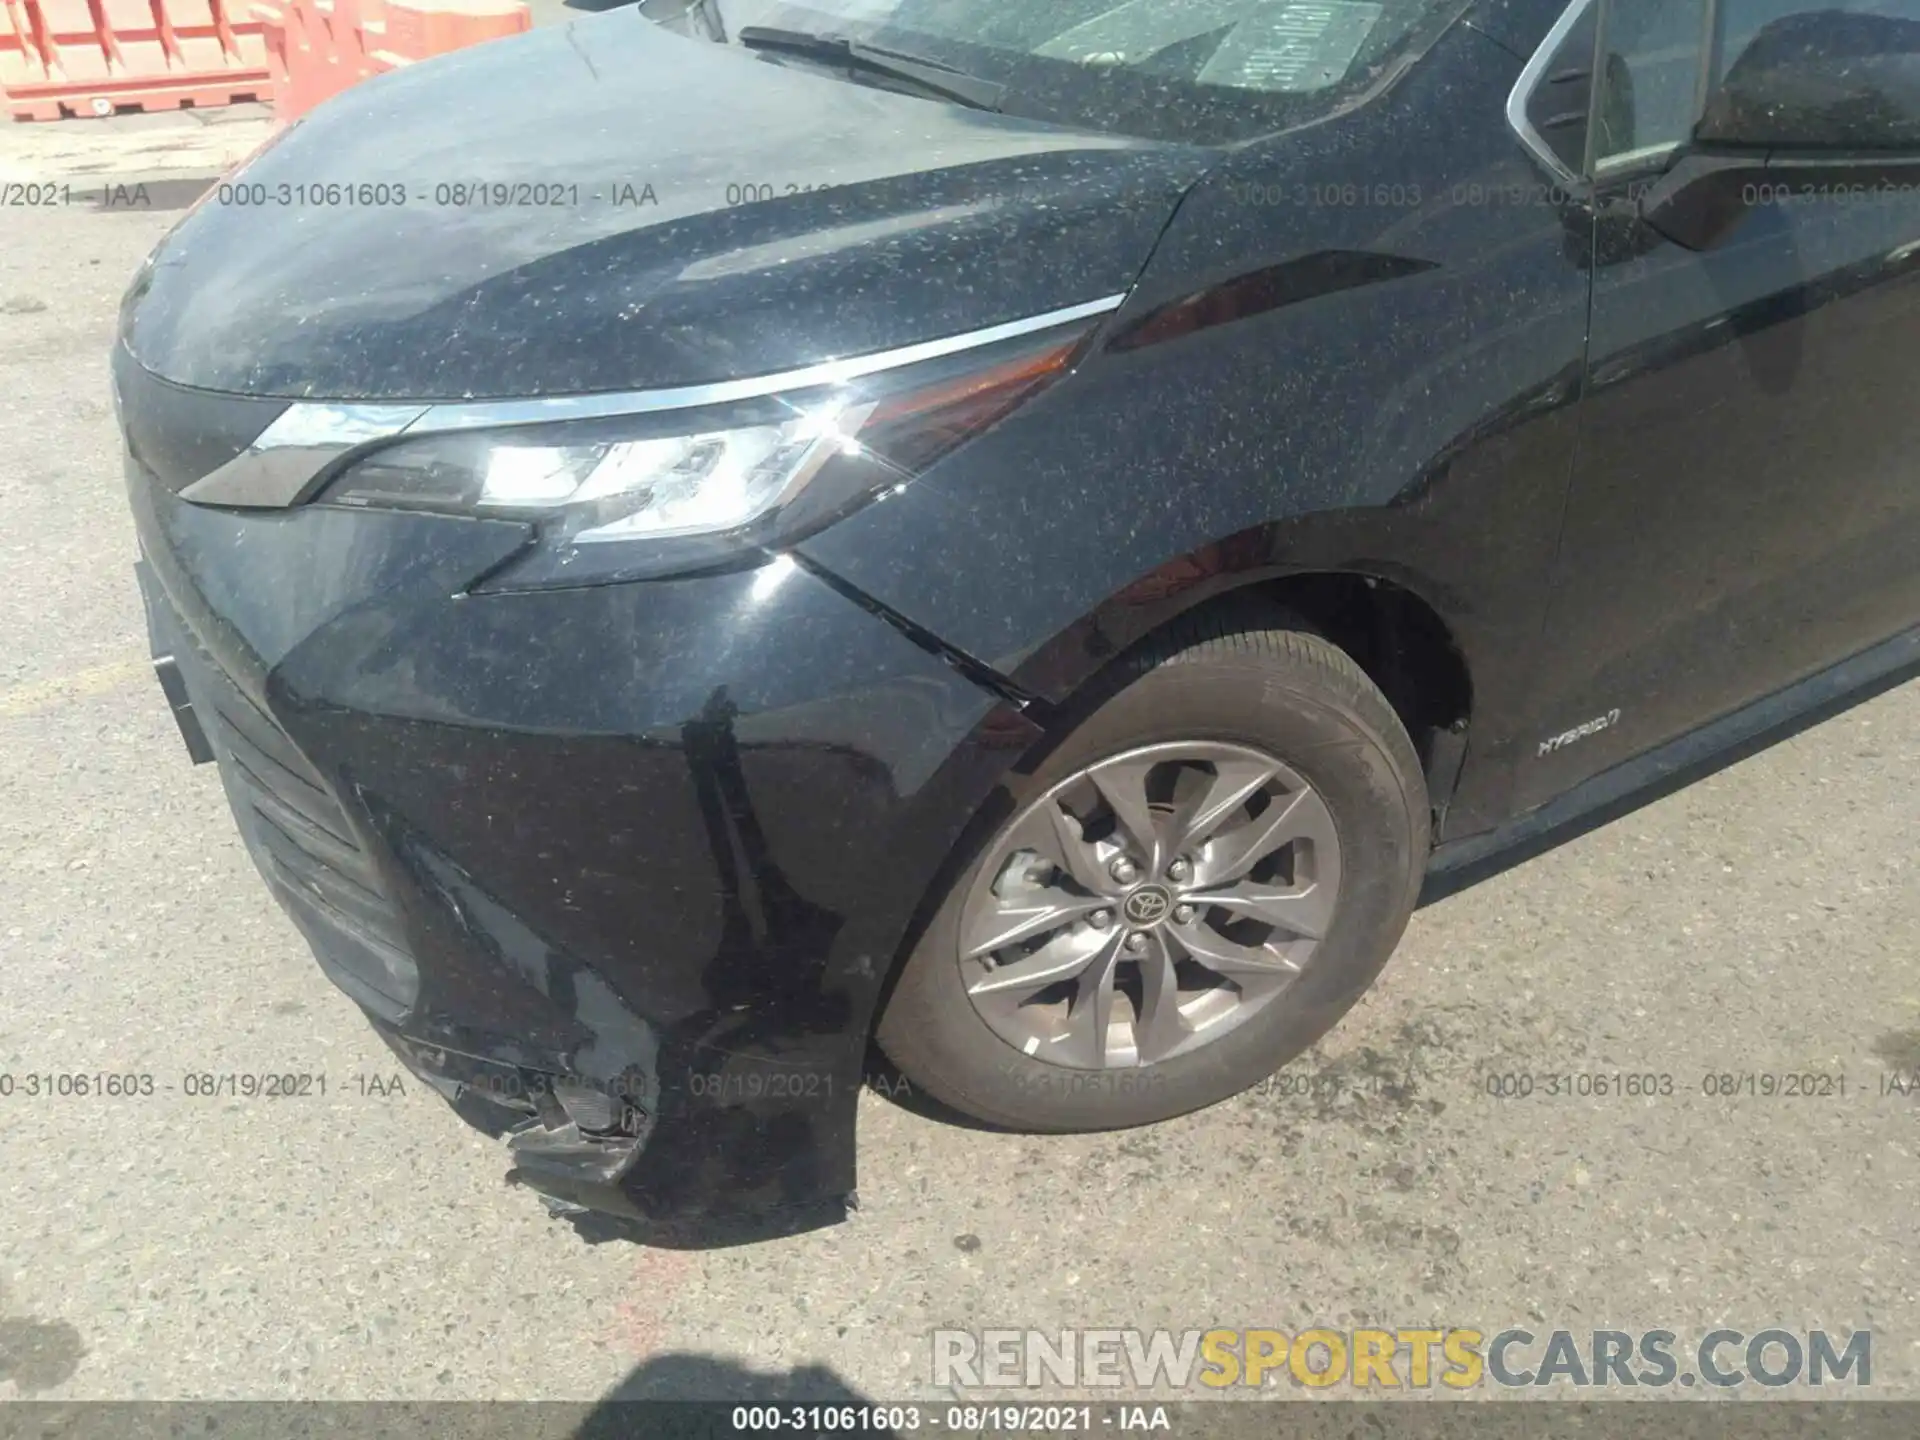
(567, 1135)
(632, 918)
(575, 1141)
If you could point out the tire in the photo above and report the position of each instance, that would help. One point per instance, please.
(1226, 682)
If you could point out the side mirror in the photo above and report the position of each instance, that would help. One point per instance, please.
(1821, 103)
(1702, 199)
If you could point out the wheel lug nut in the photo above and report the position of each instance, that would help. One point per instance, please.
(1183, 914)
(1124, 871)
(1102, 919)
(1181, 869)
(1136, 942)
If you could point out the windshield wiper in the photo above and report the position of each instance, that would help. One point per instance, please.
(928, 76)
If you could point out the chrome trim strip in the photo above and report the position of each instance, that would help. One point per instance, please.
(482, 414)
(1529, 81)
(282, 463)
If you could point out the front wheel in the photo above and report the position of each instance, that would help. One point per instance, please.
(1195, 885)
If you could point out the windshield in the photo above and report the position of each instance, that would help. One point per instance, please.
(1203, 71)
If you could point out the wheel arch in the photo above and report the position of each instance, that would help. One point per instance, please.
(1392, 623)
(1391, 619)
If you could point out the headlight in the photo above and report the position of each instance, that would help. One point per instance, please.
(595, 488)
(632, 496)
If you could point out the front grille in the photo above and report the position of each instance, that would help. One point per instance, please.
(305, 842)
(299, 835)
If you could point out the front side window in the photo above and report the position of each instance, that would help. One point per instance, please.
(1206, 71)
(1843, 75)
(1754, 74)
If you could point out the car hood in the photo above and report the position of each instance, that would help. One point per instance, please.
(608, 206)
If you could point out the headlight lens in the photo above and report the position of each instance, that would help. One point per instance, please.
(671, 491)
(599, 490)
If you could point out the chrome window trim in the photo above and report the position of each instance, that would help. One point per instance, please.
(1529, 81)
(282, 463)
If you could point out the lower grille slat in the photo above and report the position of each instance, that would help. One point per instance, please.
(304, 888)
(260, 737)
(336, 886)
(309, 818)
(298, 832)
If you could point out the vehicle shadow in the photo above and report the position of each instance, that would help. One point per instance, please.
(675, 1394)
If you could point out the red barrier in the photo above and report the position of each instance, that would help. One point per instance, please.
(95, 57)
(317, 48)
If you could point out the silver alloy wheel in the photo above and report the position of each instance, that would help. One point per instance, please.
(1149, 904)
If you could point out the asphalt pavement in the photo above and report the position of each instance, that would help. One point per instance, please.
(362, 1244)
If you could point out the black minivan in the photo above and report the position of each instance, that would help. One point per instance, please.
(720, 533)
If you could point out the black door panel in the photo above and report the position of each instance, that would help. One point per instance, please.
(1747, 503)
